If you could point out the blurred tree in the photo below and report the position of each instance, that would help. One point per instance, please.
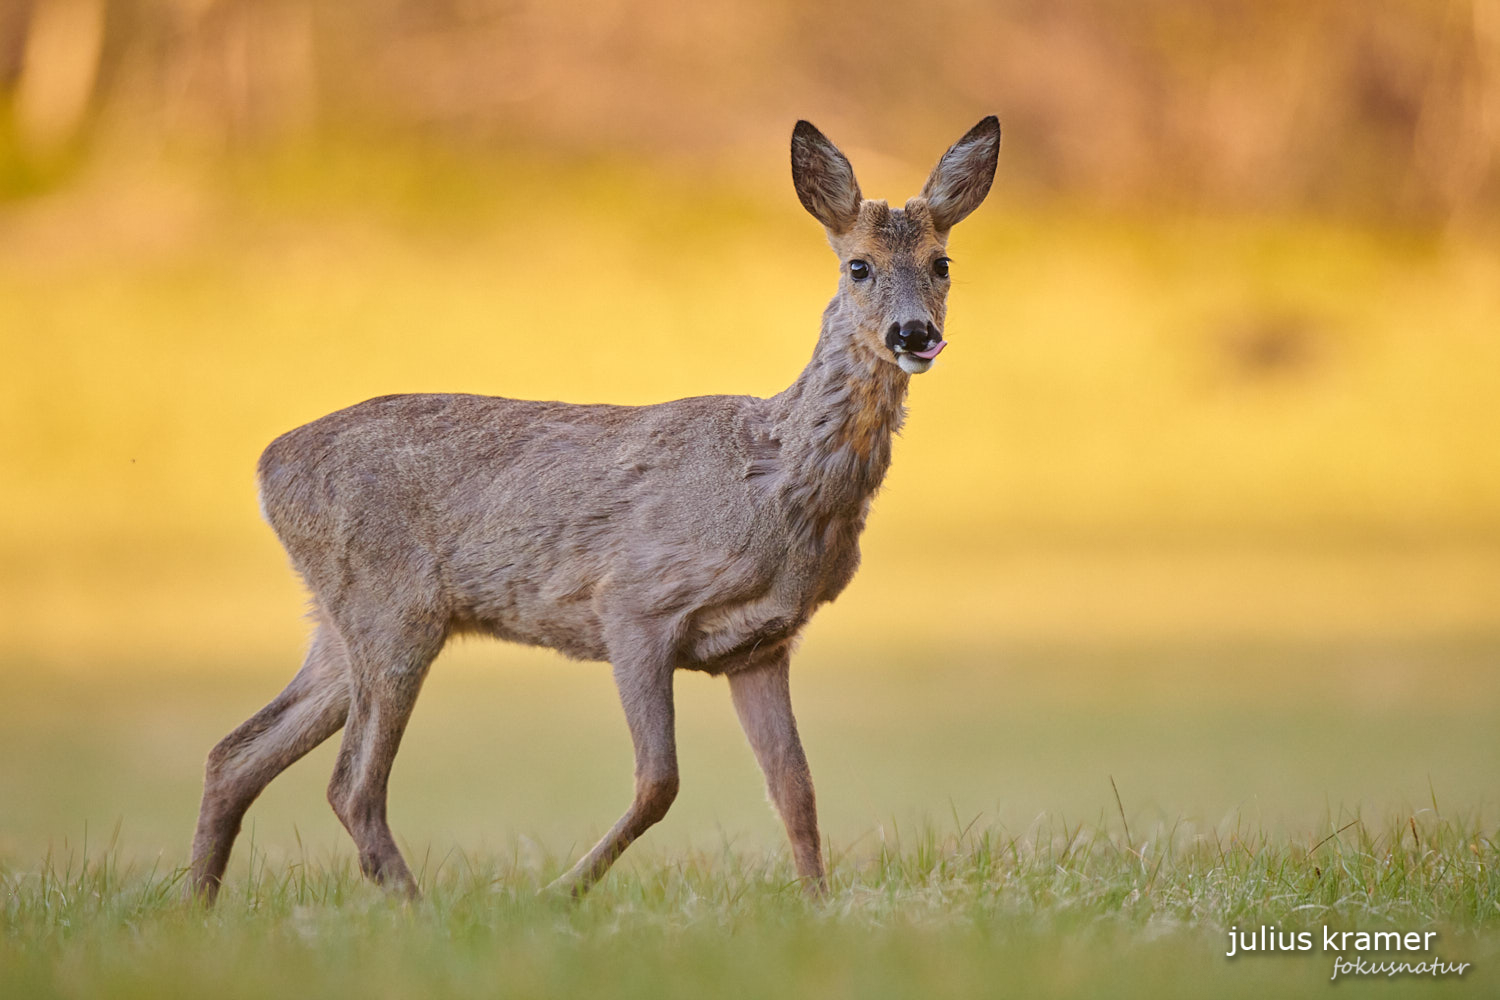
(1387, 108)
(57, 45)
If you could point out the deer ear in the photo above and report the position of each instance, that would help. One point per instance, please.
(962, 177)
(824, 180)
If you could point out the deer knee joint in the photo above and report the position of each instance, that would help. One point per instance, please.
(654, 796)
(224, 777)
(221, 759)
(341, 799)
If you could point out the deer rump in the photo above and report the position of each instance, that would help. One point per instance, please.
(556, 525)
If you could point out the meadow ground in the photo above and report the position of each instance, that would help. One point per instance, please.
(977, 846)
(1199, 509)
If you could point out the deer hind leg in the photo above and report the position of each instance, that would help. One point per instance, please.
(386, 675)
(307, 712)
(762, 698)
(644, 680)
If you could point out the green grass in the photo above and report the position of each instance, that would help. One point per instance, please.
(963, 911)
(977, 846)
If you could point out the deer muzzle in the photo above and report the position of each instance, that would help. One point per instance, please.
(915, 343)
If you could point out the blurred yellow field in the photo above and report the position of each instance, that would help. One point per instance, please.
(1147, 427)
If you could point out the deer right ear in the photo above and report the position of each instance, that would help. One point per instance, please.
(824, 180)
(963, 176)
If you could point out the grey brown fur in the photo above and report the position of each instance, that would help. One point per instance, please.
(697, 534)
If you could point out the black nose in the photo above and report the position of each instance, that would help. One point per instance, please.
(913, 335)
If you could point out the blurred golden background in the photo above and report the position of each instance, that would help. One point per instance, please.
(1219, 425)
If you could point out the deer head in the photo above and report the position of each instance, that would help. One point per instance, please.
(893, 262)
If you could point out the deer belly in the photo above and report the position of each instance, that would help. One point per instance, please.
(723, 637)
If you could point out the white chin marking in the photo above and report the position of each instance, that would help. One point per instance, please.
(913, 365)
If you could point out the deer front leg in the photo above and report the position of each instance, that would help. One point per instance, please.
(645, 684)
(763, 698)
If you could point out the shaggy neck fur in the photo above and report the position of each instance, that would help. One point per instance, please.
(834, 426)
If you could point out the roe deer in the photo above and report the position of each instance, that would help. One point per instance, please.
(698, 534)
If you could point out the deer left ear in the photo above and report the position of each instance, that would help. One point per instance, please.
(963, 176)
(824, 180)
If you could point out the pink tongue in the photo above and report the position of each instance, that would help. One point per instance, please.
(931, 352)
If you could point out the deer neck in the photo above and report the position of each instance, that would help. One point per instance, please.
(835, 424)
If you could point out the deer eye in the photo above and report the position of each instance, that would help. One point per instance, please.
(859, 270)
(940, 267)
